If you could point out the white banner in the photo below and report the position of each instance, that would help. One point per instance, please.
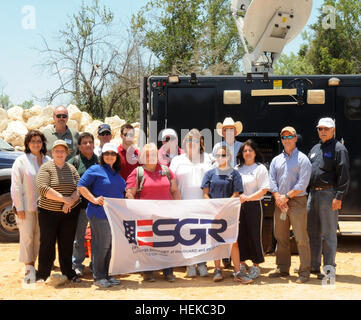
(158, 234)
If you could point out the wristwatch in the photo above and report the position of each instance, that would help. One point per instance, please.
(287, 196)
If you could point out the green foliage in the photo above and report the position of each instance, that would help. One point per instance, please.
(5, 102)
(27, 104)
(189, 36)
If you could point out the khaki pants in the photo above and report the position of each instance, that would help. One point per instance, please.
(29, 237)
(297, 218)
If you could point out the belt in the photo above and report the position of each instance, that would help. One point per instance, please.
(322, 188)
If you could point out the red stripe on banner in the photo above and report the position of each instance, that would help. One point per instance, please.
(144, 222)
(142, 243)
(145, 234)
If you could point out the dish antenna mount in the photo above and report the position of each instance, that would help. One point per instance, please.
(267, 26)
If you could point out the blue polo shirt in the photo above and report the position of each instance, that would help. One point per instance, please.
(222, 183)
(102, 181)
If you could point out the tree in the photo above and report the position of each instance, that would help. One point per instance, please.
(91, 65)
(189, 36)
(5, 102)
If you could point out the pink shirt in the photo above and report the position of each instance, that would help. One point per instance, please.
(155, 187)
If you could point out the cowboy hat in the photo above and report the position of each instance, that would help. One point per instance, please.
(229, 122)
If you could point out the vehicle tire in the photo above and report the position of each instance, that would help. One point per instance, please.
(9, 231)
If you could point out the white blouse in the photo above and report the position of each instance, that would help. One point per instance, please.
(189, 175)
(254, 178)
(23, 188)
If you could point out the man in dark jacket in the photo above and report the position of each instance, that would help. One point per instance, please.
(329, 183)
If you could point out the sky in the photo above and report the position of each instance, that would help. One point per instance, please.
(24, 22)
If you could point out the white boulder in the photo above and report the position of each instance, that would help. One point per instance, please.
(74, 113)
(16, 113)
(32, 112)
(15, 133)
(86, 119)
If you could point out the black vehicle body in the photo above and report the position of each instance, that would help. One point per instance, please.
(8, 228)
(199, 102)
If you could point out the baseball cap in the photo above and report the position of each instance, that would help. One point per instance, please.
(326, 122)
(169, 133)
(59, 143)
(104, 127)
(109, 147)
(290, 129)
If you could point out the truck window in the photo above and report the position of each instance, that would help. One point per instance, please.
(353, 108)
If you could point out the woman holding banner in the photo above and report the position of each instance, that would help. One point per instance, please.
(189, 169)
(255, 185)
(99, 181)
(152, 181)
(222, 182)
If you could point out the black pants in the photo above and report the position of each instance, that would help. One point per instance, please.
(250, 229)
(56, 227)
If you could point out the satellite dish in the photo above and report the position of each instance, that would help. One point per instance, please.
(260, 13)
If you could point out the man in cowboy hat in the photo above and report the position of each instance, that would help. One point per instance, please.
(229, 130)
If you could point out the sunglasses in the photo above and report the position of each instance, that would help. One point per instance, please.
(128, 134)
(287, 137)
(113, 154)
(220, 156)
(64, 116)
(193, 140)
(106, 133)
(323, 129)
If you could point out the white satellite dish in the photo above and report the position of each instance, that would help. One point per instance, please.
(268, 25)
(261, 12)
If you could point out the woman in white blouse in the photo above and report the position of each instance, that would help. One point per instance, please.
(255, 185)
(24, 196)
(189, 169)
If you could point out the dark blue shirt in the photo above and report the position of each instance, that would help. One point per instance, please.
(102, 181)
(222, 183)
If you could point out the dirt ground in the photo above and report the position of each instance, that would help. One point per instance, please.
(348, 282)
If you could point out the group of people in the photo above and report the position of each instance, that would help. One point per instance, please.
(60, 182)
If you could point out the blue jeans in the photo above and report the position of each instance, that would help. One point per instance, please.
(79, 241)
(101, 247)
(322, 225)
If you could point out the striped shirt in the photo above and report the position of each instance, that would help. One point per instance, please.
(62, 180)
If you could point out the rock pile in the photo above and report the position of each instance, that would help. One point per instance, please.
(15, 123)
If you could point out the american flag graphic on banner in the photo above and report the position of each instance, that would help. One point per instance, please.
(139, 232)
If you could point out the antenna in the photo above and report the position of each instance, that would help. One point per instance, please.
(268, 26)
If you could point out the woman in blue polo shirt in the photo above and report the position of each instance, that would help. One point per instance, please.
(222, 182)
(99, 181)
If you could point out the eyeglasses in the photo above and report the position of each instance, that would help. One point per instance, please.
(36, 141)
(106, 154)
(64, 116)
(220, 156)
(193, 140)
(287, 137)
(323, 129)
(105, 133)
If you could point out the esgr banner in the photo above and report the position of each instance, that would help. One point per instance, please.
(158, 234)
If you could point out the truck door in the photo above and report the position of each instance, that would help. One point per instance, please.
(191, 107)
(348, 128)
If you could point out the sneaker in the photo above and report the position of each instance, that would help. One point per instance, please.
(103, 283)
(170, 277)
(277, 273)
(148, 277)
(217, 276)
(56, 280)
(191, 271)
(113, 281)
(254, 272)
(244, 279)
(203, 271)
(302, 279)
